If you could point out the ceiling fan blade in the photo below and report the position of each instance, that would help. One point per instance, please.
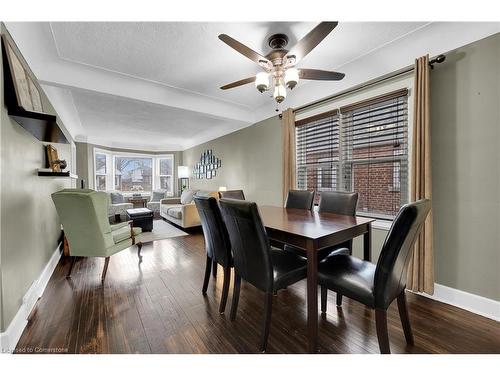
(244, 50)
(320, 75)
(311, 40)
(241, 82)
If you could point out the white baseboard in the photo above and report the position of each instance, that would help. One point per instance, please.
(486, 307)
(9, 338)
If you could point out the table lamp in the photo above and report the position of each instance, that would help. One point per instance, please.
(183, 175)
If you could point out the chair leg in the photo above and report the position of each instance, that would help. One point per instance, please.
(208, 269)
(324, 298)
(382, 333)
(225, 289)
(214, 269)
(236, 296)
(268, 309)
(139, 248)
(73, 259)
(339, 299)
(405, 320)
(106, 263)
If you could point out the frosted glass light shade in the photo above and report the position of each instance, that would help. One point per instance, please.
(279, 93)
(182, 171)
(291, 77)
(262, 81)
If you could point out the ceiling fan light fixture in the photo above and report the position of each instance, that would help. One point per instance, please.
(291, 78)
(262, 81)
(279, 93)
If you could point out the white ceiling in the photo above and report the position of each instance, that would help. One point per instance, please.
(156, 85)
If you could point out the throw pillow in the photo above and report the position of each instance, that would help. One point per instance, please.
(116, 198)
(187, 196)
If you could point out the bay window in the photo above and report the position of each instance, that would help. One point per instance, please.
(133, 173)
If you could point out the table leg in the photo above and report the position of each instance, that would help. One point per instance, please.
(312, 296)
(367, 243)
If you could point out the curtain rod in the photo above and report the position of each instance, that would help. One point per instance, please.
(436, 60)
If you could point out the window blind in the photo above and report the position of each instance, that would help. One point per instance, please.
(317, 153)
(362, 147)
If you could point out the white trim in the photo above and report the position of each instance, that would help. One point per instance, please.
(9, 338)
(382, 224)
(467, 301)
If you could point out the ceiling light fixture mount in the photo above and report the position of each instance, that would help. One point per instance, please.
(280, 72)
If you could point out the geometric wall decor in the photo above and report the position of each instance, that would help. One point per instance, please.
(207, 166)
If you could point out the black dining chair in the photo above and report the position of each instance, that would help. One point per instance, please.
(217, 244)
(255, 261)
(340, 203)
(301, 199)
(232, 194)
(335, 202)
(377, 286)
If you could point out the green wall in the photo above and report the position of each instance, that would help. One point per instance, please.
(251, 160)
(29, 223)
(465, 121)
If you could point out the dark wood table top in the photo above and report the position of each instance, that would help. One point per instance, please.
(308, 224)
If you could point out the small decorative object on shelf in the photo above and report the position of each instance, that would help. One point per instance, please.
(53, 160)
(207, 166)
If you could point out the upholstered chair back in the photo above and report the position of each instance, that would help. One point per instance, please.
(249, 242)
(217, 242)
(302, 199)
(392, 265)
(233, 194)
(337, 202)
(84, 216)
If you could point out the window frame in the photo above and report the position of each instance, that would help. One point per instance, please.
(111, 172)
(158, 176)
(370, 97)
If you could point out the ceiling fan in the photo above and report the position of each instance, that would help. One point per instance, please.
(279, 64)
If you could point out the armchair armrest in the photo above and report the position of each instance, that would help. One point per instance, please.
(171, 201)
(119, 225)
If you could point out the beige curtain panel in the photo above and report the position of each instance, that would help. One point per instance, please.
(288, 121)
(421, 269)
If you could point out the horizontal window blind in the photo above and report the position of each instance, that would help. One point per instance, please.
(362, 147)
(317, 154)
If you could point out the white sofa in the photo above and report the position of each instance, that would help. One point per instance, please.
(182, 210)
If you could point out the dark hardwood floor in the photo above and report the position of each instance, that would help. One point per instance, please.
(157, 307)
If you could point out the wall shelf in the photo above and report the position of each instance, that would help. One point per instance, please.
(43, 126)
(45, 173)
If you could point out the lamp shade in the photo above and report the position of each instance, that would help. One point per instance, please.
(182, 171)
(262, 81)
(279, 93)
(222, 188)
(291, 77)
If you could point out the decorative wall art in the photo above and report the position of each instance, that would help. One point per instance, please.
(207, 166)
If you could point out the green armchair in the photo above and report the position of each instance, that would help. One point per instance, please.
(84, 216)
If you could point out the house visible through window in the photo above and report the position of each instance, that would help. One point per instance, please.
(133, 173)
(363, 148)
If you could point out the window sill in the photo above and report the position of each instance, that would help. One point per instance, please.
(382, 224)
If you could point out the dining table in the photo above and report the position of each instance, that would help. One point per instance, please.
(312, 231)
